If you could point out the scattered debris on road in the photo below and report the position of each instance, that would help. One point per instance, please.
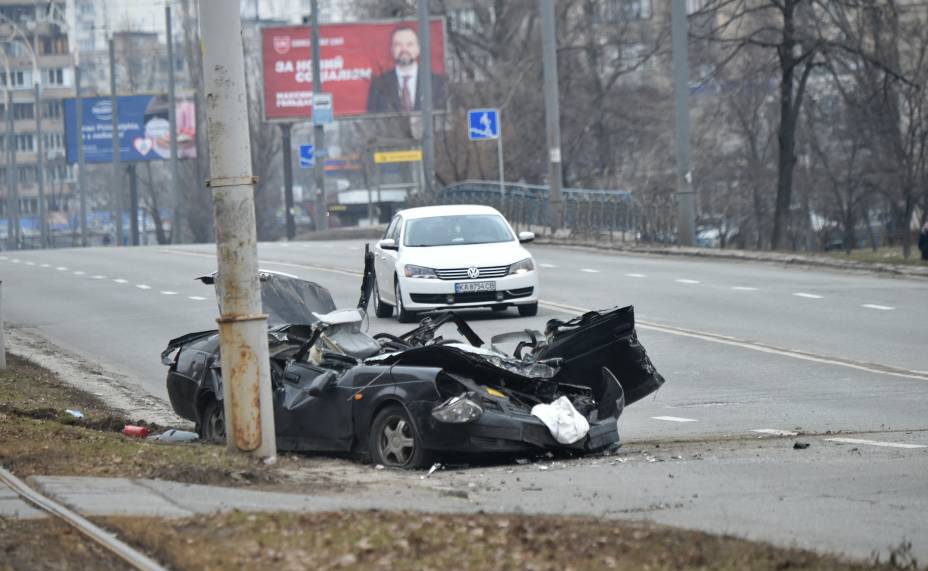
(800, 445)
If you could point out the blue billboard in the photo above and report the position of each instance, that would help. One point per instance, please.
(144, 129)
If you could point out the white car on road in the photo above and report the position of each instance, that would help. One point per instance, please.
(444, 257)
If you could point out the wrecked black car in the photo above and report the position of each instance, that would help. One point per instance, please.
(400, 400)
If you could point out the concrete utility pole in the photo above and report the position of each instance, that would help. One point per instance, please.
(11, 175)
(425, 83)
(552, 114)
(686, 197)
(249, 415)
(287, 143)
(322, 208)
(172, 119)
(40, 165)
(114, 105)
(79, 115)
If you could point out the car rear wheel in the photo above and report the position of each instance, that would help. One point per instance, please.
(381, 309)
(395, 442)
(402, 315)
(528, 310)
(213, 425)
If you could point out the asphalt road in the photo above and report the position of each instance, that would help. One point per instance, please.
(749, 351)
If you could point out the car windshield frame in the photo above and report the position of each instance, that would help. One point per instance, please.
(438, 223)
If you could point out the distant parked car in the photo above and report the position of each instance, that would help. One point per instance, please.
(440, 257)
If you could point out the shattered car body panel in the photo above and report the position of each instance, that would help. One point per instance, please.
(399, 399)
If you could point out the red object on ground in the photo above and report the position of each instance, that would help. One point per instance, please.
(137, 431)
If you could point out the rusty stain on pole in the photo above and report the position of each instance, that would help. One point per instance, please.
(243, 344)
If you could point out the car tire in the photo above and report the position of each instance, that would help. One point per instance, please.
(402, 315)
(394, 440)
(213, 426)
(381, 309)
(528, 310)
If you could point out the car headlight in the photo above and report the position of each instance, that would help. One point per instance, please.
(457, 410)
(419, 272)
(526, 265)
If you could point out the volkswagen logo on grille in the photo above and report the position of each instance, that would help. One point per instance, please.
(473, 272)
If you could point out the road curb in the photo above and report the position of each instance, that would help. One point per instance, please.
(746, 256)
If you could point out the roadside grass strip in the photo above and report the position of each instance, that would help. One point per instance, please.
(674, 419)
(775, 432)
(874, 443)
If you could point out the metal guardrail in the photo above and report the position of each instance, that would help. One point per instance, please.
(612, 215)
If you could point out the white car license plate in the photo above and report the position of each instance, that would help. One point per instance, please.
(467, 287)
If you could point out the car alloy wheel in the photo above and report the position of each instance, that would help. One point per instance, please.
(214, 425)
(394, 441)
(381, 309)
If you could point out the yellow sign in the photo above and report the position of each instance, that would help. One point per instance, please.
(398, 156)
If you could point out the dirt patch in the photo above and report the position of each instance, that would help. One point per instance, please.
(37, 437)
(50, 544)
(402, 540)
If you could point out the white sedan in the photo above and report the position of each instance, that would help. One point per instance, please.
(443, 257)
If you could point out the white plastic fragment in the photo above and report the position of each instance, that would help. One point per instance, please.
(435, 467)
(75, 413)
(378, 467)
(563, 421)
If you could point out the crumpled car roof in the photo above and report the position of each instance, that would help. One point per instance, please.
(287, 299)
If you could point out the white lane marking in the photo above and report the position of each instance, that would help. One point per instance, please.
(78, 273)
(3, 258)
(169, 293)
(354, 247)
(775, 432)
(269, 263)
(761, 347)
(674, 419)
(685, 281)
(45, 265)
(30, 263)
(807, 295)
(636, 275)
(743, 288)
(196, 298)
(880, 307)
(15, 260)
(62, 268)
(143, 286)
(121, 281)
(547, 265)
(589, 271)
(875, 443)
(98, 277)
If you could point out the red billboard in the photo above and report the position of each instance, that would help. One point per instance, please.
(368, 67)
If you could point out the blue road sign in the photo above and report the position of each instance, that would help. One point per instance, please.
(483, 124)
(307, 160)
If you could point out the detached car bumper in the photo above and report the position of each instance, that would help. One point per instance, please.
(502, 432)
(422, 294)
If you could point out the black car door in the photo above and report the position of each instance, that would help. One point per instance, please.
(307, 422)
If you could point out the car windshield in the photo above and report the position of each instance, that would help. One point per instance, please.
(457, 230)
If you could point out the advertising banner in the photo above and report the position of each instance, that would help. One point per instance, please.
(144, 128)
(368, 67)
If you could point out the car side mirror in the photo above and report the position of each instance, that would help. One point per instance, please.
(388, 244)
(321, 383)
(526, 237)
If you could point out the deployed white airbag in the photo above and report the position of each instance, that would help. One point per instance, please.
(563, 421)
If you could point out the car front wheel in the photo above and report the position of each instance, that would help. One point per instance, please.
(395, 442)
(528, 310)
(381, 309)
(402, 315)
